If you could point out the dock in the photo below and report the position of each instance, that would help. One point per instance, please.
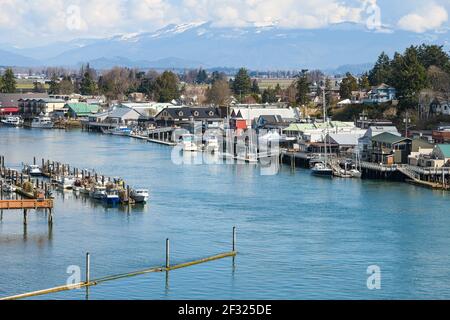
(26, 205)
(167, 268)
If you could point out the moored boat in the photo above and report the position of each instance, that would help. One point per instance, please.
(12, 121)
(188, 143)
(42, 122)
(140, 195)
(32, 170)
(112, 197)
(98, 192)
(320, 169)
(66, 182)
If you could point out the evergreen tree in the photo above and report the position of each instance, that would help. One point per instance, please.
(408, 76)
(364, 83)
(166, 87)
(8, 82)
(202, 77)
(269, 96)
(88, 85)
(255, 87)
(302, 86)
(54, 85)
(242, 84)
(432, 55)
(38, 87)
(349, 84)
(381, 72)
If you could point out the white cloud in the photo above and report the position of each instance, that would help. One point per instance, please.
(48, 20)
(431, 17)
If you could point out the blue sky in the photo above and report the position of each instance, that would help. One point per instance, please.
(34, 22)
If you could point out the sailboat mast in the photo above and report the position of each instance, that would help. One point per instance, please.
(326, 122)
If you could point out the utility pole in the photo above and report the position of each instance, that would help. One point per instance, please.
(406, 121)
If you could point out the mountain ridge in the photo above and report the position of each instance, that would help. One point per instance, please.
(201, 44)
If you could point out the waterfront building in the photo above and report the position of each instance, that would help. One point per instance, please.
(81, 110)
(117, 116)
(271, 122)
(251, 113)
(442, 152)
(11, 102)
(365, 142)
(316, 131)
(30, 107)
(186, 116)
(420, 155)
(347, 143)
(388, 148)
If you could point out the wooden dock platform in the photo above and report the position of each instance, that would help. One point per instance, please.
(25, 204)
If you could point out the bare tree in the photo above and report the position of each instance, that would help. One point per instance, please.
(219, 93)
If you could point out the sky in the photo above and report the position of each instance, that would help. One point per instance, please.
(32, 22)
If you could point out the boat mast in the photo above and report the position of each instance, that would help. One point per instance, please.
(326, 122)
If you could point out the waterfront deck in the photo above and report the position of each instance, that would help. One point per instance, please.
(25, 204)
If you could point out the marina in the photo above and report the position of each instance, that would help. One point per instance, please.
(287, 231)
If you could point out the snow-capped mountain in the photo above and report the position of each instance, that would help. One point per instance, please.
(201, 44)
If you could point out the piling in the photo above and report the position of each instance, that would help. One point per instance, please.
(234, 239)
(88, 268)
(167, 253)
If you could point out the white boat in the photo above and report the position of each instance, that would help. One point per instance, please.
(42, 123)
(119, 131)
(66, 182)
(212, 145)
(189, 144)
(98, 193)
(32, 170)
(355, 173)
(12, 121)
(140, 195)
(320, 169)
(8, 188)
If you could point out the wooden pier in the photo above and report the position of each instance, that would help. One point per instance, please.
(27, 205)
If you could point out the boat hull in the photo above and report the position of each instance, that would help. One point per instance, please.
(323, 173)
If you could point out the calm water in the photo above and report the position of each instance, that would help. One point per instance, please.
(299, 237)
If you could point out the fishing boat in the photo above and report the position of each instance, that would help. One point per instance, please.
(66, 182)
(140, 195)
(320, 169)
(98, 193)
(32, 170)
(42, 122)
(189, 144)
(112, 197)
(12, 121)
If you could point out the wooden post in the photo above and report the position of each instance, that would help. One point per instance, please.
(50, 216)
(167, 253)
(88, 268)
(234, 239)
(25, 216)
